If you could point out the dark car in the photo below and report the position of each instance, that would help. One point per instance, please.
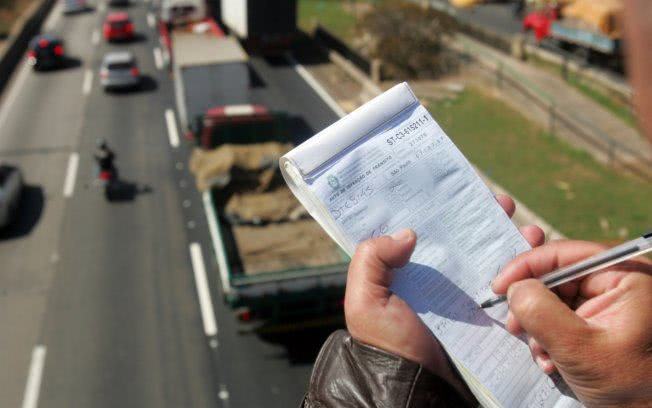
(45, 52)
(11, 186)
(118, 3)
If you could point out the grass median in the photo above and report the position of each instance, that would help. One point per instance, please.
(591, 90)
(577, 195)
(335, 15)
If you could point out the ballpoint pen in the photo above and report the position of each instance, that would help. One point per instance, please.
(597, 262)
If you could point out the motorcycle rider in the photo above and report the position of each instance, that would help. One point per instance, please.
(104, 157)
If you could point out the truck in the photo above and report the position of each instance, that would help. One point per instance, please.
(177, 12)
(265, 26)
(211, 73)
(591, 28)
(277, 267)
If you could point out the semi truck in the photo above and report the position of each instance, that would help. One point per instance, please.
(211, 74)
(264, 26)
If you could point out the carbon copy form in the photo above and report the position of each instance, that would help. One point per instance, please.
(387, 166)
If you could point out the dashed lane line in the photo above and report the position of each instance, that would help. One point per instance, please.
(87, 84)
(151, 20)
(95, 37)
(71, 175)
(158, 58)
(34, 376)
(203, 292)
(173, 133)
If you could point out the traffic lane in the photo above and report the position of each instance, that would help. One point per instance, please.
(251, 368)
(266, 369)
(123, 326)
(498, 17)
(282, 89)
(40, 119)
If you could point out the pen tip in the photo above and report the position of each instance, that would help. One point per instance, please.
(485, 304)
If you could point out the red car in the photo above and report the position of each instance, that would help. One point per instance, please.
(118, 27)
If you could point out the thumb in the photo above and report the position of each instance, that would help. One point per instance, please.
(375, 259)
(547, 319)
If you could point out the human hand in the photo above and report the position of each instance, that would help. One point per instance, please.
(596, 331)
(376, 316)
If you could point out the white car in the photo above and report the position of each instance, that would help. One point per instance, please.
(11, 187)
(119, 70)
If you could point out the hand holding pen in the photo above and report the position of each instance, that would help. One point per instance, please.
(595, 330)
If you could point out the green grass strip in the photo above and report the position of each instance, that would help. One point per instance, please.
(577, 195)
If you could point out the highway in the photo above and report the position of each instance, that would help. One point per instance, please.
(99, 301)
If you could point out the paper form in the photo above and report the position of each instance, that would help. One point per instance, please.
(408, 174)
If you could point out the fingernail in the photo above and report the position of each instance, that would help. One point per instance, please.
(402, 235)
(510, 291)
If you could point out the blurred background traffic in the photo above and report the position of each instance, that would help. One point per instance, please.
(151, 253)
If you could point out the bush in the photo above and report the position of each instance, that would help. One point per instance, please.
(408, 39)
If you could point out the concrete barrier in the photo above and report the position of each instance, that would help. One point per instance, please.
(28, 25)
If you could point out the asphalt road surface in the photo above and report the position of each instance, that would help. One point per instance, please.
(98, 300)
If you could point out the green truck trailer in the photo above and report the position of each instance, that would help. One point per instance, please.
(275, 263)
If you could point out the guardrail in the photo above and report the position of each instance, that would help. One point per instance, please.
(617, 154)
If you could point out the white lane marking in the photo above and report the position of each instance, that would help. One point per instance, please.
(203, 293)
(158, 58)
(95, 37)
(88, 82)
(151, 20)
(310, 80)
(33, 386)
(16, 86)
(223, 394)
(216, 239)
(71, 175)
(171, 122)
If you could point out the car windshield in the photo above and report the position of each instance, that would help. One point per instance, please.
(120, 65)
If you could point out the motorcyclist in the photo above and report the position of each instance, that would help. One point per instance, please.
(104, 157)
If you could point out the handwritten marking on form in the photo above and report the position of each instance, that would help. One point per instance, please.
(409, 174)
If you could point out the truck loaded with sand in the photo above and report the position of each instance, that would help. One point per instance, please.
(275, 261)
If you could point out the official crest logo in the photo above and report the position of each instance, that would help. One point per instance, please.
(333, 182)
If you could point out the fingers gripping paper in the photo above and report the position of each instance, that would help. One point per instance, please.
(389, 166)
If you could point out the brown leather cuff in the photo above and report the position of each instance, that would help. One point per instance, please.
(351, 374)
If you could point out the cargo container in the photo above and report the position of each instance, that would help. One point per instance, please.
(210, 71)
(266, 26)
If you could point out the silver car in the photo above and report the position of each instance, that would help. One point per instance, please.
(11, 187)
(74, 6)
(119, 70)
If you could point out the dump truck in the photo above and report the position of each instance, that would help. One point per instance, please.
(211, 74)
(276, 264)
(594, 25)
(592, 28)
(264, 26)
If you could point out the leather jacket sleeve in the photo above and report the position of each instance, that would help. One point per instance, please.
(351, 374)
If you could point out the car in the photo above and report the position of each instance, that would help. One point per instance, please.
(119, 70)
(11, 187)
(118, 27)
(45, 51)
(118, 3)
(74, 6)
